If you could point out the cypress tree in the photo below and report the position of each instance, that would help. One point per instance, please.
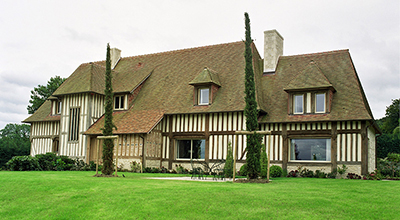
(108, 144)
(250, 110)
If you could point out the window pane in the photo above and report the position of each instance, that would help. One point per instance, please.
(298, 103)
(122, 102)
(199, 148)
(184, 149)
(310, 149)
(204, 96)
(320, 102)
(116, 106)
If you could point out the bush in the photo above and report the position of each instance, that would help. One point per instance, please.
(228, 168)
(47, 161)
(243, 170)
(135, 166)
(275, 171)
(23, 163)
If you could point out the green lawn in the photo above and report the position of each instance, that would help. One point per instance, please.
(78, 195)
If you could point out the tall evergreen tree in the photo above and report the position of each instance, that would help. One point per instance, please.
(108, 144)
(250, 111)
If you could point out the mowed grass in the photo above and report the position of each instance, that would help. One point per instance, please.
(78, 195)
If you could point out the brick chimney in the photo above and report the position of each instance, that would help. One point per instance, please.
(115, 55)
(273, 48)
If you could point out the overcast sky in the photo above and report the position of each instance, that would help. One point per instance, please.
(42, 39)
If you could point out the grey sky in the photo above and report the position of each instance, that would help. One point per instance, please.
(42, 39)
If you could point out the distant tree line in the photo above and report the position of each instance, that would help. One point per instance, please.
(14, 141)
(389, 141)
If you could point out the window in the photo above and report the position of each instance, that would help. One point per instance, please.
(320, 102)
(298, 104)
(191, 149)
(204, 94)
(317, 149)
(58, 108)
(74, 124)
(119, 102)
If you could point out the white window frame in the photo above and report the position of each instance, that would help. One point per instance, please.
(199, 96)
(191, 149)
(328, 151)
(316, 102)
(294, 103)
(120, 98)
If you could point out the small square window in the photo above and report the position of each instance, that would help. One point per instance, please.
(119, 102)
(204, 95)
(298, 104)
(320, 103)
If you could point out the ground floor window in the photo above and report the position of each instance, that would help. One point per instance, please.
(191, 149)
(310, 149)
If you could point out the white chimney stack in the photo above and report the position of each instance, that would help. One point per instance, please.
(273, 48)
(115, 55)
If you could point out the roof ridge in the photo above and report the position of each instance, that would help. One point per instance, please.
(318, 53)
(181, 50)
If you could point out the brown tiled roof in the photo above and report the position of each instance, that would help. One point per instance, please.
(349, 102)
(43, 114)
(129, 122)
(88, 77)
(168, 86)
(205, 77)
(310, 78)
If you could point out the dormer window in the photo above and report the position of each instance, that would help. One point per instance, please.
(119, 102)
(298, 104)
(206, 85)
(320, 103)
(204, 96)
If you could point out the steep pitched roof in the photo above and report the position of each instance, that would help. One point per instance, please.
(168, 86)
(43, 114)
(206, 76)
(130, 122)
(310, 78)
(88, 77)
(348, 103)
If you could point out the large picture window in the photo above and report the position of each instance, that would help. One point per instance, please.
(313, 149)
(74, 124)
(191, 149)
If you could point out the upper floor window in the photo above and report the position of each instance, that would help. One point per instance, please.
(204, 96)
(58, 108)
(320, 103)
(119, 102)
(298, 104)
(74, 124)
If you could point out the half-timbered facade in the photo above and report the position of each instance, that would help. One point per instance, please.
(172, 107)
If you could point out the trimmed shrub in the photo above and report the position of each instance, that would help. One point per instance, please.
(243, 170)
(23, 163)
(47, 161)
(275, 171)
(228, 168)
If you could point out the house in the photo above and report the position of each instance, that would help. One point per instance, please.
(173, 106)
